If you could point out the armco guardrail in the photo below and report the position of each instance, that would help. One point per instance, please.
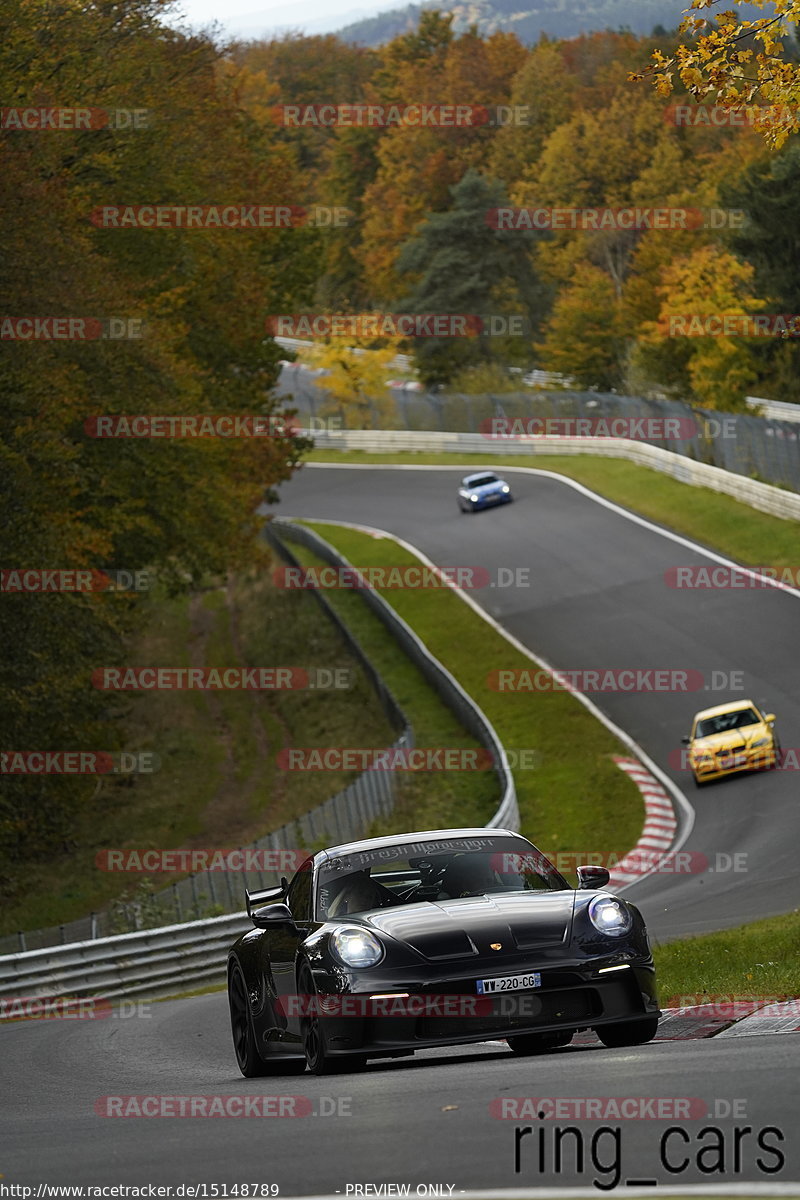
(773, 500)
(160, 962)
(774, 410)
(155, 962)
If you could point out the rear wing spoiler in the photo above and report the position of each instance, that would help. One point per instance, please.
(260, 896)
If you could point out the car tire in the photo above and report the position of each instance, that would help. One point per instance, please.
(628, 1033)
(250, 1062)
(698, 782)
(776, 746)
(318, 1060)
(539, 1043)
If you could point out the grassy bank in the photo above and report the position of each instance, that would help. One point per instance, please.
(760, 959)
(217, 783)
(430, 800)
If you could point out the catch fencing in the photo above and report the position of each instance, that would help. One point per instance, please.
(760, 447)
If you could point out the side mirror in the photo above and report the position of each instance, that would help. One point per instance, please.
(769, 718)
(592, 877)
(686, 740)
(272, 915)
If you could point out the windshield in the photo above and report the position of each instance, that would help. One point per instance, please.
(726, 721)
(409, 874)
(481, 481)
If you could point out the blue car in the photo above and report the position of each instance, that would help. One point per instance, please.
(483, 491)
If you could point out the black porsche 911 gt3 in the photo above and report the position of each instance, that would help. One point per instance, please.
(381, 947)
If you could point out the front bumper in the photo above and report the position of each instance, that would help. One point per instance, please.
(759, 759)
(568, 1000)
(491, 501)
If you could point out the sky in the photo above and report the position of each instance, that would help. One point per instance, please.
(249, 19)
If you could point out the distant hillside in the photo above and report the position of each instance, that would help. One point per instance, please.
(556, 18)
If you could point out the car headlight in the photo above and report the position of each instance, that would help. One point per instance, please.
(702, 757)
(506, 488)
(609, 915)
(474, 499)
(357, 947)
(765, 741)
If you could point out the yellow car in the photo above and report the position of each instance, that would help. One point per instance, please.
(730, 738)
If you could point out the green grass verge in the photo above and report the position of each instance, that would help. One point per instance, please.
(761, 959)
(218, 783)
(436, 799)
(716, 521)
(576, 799)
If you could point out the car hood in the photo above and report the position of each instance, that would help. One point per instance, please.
(448, 929)
(731, 737)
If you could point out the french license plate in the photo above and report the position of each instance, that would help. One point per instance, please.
(509, 983)
(734, 760)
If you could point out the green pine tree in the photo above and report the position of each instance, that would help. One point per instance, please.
(461, 264)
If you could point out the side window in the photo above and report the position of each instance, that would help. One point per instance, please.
(298, 896)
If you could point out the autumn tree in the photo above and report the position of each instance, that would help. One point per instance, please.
(417, 166)
(302, 71)
(544, 93)
(350, 167)
(179, 508)
(768, 239)
(584, 337)
(714, 370)
(460, 263)
(355, 381)
(735, 62)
